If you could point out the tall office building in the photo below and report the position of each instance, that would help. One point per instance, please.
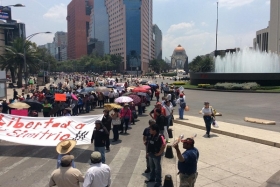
(50, 47)
(268, 39)
(130, 30)
(98, 40)
(78, 18)
(158, 42)
(60, 42)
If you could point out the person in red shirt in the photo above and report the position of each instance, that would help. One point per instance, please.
(125, 116)
(41, 97)
(153, 113)
(157, 95)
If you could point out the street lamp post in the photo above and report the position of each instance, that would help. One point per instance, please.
(137, 71)
(24, 54)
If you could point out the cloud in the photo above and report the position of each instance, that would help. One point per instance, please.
(203, 24)
(200, 42)
(57, 13)
(180, 26)
(234, 3)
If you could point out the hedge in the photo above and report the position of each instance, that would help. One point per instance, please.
(169, 74)
(237, 86)
(179, 83)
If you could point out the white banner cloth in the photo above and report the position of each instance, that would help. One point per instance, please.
(43, 131)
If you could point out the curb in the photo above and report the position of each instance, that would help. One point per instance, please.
(240, 91)
(232, 134)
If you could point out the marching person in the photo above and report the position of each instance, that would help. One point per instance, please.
(99, 136)
(107, 121)
(126, 116)
(66, 175)
(182, 105)
(155, 149)
(116, 122)
(64, 148)
(99, 174)
(46, 109)
(146, 136)
(187, 162)
(111, 96)
(208, 117)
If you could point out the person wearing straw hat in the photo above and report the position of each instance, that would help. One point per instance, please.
(64, 148)
(66, 176)
(98, 174)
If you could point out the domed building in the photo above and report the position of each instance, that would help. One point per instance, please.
(179, 59)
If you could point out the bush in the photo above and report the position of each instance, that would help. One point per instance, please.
(203, 85)
(169, 74)
(179, 83)
(237, 86)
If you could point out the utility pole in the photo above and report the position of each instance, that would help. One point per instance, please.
(217, 28)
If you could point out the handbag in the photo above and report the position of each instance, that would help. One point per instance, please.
(187, 108)
(116, 121)
(215, 124)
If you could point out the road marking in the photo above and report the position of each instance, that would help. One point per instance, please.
(7, 169)
(137, 177)
(45, 180)
(117, 162)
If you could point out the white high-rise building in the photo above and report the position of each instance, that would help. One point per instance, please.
(268, 39)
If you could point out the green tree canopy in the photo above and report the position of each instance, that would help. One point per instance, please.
(202, 64)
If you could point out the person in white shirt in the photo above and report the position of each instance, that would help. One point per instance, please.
(111, 96)
(169, 113)
(208, 117)
(98, 175)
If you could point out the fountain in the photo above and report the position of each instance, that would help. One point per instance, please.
(243, 66)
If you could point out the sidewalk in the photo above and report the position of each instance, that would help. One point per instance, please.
(226, 161)
(237, 131)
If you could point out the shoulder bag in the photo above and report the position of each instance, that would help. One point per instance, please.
(116, 121)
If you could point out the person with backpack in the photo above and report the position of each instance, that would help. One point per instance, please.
(182, 105)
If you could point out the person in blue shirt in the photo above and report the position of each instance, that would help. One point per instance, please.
(64, 148)
(187, 162)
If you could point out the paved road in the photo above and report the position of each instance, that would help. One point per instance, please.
(31, 166)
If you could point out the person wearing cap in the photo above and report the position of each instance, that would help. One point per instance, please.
(125, 115)
(187, 162)
(67, 112)
(64, 148)
(66, 175)
(208, 117)
(181, 106)
(146, 136)
(99, 174)
(155, 149)
(99, 136)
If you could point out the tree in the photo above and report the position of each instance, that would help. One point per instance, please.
(14, 57)
(158, 65)
(202, 64)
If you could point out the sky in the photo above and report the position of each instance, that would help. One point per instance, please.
(190, 23)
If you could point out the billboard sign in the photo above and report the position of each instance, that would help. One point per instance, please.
(5, 13)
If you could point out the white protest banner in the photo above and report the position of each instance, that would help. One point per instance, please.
(44, 131)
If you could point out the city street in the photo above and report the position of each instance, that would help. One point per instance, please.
(219, 163)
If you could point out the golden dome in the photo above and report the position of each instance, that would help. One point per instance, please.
(179, 49)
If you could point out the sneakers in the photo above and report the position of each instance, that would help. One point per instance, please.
(167, 141)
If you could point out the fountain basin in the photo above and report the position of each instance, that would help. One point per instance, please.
(263, 79)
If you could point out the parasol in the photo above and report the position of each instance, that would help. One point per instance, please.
(123, 99)
(136, 99)
(112, 106)
(34, 104)
(146, 87)
(140, 89)
(19, 105)
(74, 97)
(131, 87)
(102, 89)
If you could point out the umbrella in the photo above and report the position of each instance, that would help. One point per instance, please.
(86, 90)
(34, 104)
(146, 87)
(110, 86)
(19, 105)
(127, 94)
(131, 87)
(143, 82)
(136, 99)
(153, 85)
(123, 99)
(102, 89)
(112, 106)
(140, 89)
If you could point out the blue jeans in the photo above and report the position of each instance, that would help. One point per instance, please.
(116, 131)
(181, 112)
(101, 150)
(155, 166)
(208, 120)
(168, 121)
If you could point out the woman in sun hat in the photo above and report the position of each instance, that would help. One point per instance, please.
(64, 148)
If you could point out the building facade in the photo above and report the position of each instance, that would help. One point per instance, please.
(179, 59)
(78, 18)
(158, 42)
(50, 47)
(98, 40)
(131, 32)
(268, 39)
(60, 42)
